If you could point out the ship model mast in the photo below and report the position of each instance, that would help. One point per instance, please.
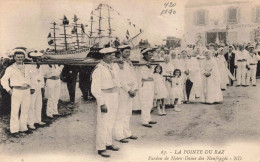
(65, 24)
(109, 23)
(75, 31)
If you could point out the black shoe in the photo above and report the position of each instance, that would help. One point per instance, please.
(15, 135)
(147, 125)
(254, 85)
(26, 132)
(237, 85)
(112, 147)
(152, 122)
(103, 153)
(133, 137)
(124, 141)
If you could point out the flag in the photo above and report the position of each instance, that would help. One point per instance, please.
(82, 28)
(141, 30)
(50, 40)
(65, 21)
(75, 18)
(74, 30)
(127, 34)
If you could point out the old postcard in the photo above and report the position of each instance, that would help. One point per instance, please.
(129, 80)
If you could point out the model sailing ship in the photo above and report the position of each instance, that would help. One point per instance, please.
(63, 49)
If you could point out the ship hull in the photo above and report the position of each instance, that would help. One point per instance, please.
(59, 56)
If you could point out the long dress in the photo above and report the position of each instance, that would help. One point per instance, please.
(211, 85)
(168, 69)
(160, 89)
(195, 77)
(222, 65)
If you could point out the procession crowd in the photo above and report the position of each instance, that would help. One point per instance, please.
(183, 76)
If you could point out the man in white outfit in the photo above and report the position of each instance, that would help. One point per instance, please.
(252, 64)
(105, 87)
(146, 91)
(37, 81)
(129, 84)
(240, 64)
(16, 81)
(53, 84)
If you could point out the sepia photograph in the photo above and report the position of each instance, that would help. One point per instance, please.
(129, 80)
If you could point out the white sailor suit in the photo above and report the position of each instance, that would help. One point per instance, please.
(17, 79)
(53, 85)
(146, 92)
(104, 87)
(240, 62)
(128, 82)
(37, 81)
(252, 64)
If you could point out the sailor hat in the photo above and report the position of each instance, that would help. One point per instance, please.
(35, 54)
(124, 47)
(145, 50)
(212, 44)
(108, 50)
(251, 46)
(18, 51)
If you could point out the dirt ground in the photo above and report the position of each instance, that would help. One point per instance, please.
(234, 124)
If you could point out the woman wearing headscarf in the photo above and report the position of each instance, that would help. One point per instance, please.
(211, 80)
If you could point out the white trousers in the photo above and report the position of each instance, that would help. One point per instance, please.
(241, 73)
(20, 98)
(251, 74)
(53, 88)
(146, 98)
(35, 111)
(106, 121)
(124, 113)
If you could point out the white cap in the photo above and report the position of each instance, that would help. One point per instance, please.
(124, 46)
(35, 54)
(146, 50)
(108, 50)
(18, 51)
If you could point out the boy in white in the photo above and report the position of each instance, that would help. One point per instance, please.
(37, 81)
(53, 84)
(129, 84)
(19, 88)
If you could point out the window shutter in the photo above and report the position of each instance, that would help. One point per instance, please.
(238, 14)
(206, 17)
(195, 18)
(253, 14)
(225, 16)
(252, 36)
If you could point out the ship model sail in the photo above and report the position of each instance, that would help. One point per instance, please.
(71, 46)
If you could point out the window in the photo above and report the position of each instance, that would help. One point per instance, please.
(257, 14)
(201, 17)
(232, 15)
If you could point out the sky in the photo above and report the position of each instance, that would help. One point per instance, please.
(27, 22)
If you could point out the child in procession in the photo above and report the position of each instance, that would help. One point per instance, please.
(160, 90)
(177, 88)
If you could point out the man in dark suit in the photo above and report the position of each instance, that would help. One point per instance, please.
(69, 75)
(230, 58)
(85, 82)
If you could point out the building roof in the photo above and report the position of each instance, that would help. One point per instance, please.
(202, 3)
